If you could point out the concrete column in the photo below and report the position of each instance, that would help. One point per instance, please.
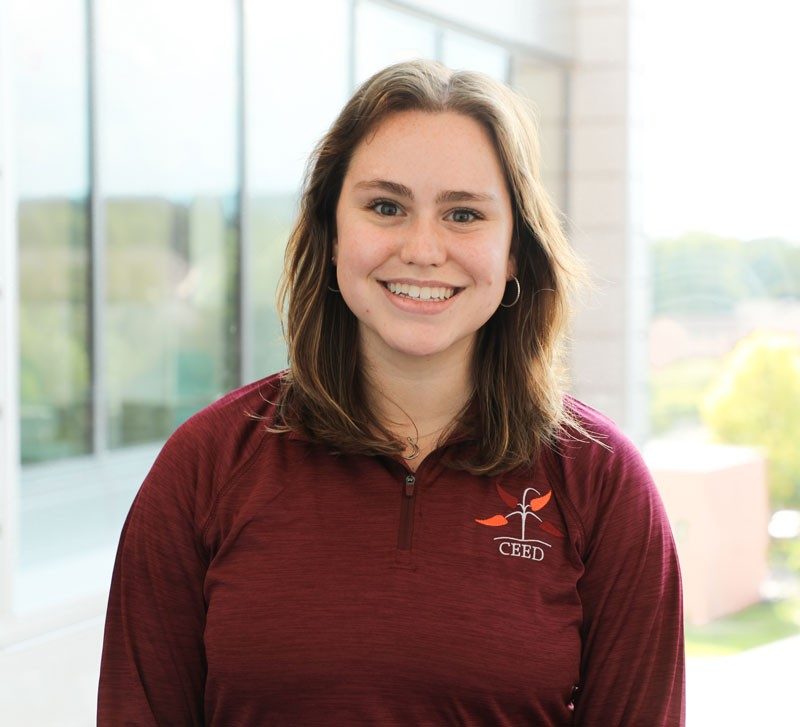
(608, 351)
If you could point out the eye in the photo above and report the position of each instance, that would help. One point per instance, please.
(384, 207)
(465, 215)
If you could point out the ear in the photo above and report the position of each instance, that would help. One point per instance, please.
(335, 250)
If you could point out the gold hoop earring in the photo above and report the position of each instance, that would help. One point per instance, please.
(516, 300)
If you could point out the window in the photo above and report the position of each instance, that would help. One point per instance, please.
(166, 274)
(546, 86)
(146, 290)
(386, 36)
(167, 98)
(461, 51)
(294, 91)
(52, 170)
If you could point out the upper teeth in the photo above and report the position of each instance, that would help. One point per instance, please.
(426, 293)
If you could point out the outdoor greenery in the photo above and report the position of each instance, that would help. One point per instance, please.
(701, 273)
(751, 396)
(55, 394)
(756, 401)
(676, 391)
(170, 314)
(754, 626)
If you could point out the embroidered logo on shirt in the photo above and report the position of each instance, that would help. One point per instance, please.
(531, 548)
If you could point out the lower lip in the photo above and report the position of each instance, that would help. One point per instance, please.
(414, 305)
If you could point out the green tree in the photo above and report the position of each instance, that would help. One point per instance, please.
(755, 401)
(774, 267)
(702, 273)
(698, 273)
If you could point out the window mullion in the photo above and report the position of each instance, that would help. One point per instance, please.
(97, 237)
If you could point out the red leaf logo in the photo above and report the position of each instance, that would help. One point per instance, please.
(506, 497)
(537, 503)
(551, 529)
(494, 521)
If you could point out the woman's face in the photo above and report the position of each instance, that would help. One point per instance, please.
(424, 224)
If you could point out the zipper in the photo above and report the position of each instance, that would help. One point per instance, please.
(407, 513)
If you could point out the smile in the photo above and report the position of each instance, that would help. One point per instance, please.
(420, 293)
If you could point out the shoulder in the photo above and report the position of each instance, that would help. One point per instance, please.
(604, 476)
(233, 414)
(228, 430)
(209, 450)
(606, 443)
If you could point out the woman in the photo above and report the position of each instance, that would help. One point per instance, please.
(412, 524)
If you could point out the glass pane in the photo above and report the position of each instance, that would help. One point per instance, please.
(167, 95)
(51, 168)
(384, 36)
(287, 113)
(462, 52)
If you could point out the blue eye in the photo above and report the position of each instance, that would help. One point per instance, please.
(384, 208)
(464, 215)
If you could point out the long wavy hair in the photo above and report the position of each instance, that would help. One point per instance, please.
(517, 403)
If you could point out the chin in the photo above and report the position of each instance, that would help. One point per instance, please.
(413, 342)
(419, 349)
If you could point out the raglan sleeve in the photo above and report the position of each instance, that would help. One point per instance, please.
(153, 662)
(632, 663)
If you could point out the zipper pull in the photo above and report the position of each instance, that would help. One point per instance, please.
(410, 480)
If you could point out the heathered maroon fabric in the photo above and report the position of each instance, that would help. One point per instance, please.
(262, 579)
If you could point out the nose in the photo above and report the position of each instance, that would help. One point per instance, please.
(423, 243)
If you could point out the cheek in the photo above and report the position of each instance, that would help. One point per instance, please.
(489, 267)
(355, 263)
(362, 249)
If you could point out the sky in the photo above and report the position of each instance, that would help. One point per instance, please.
(722, 117)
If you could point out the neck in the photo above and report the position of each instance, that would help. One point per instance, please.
(415, 398)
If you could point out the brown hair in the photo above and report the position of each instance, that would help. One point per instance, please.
(517, 403)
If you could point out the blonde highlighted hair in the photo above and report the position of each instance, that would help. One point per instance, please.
(517, 404)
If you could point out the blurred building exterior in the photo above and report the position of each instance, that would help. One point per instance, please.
(717, 501)
(150, 162)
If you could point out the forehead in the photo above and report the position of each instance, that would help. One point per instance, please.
(447, 146)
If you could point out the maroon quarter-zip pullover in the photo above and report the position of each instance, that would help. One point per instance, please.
(262, 579)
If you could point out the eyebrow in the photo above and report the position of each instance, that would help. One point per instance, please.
(450, 195)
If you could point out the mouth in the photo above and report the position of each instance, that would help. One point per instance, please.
(416, 292)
